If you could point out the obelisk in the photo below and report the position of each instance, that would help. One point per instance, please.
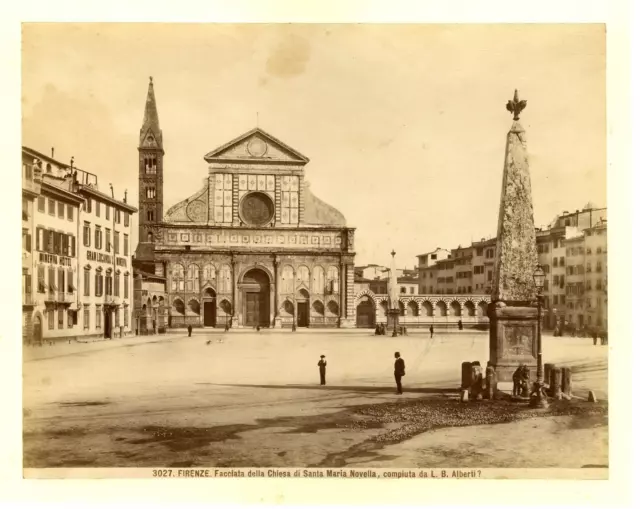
(393, 307)
(513, 317)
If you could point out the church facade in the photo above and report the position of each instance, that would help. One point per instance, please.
(252, 246)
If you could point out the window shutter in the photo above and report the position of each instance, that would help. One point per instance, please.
(97, 287)
(38, 230)
(73, 245)
(28, 242)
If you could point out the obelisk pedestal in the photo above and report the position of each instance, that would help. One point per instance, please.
(512, 313)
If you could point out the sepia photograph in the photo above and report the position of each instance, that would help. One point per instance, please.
(315, 250)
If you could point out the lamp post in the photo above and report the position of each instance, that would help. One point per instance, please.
(538, 397)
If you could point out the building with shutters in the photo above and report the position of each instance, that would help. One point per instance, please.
(105, 261)
(252, 246)
(54, 312)
(79, 253)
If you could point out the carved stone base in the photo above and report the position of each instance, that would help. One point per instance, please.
(346, 323)
(234, 321)
(393, 321)
(277, 322)
(513, 333)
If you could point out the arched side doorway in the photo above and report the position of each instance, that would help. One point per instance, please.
(366, 313)
(255, 291)
(209, 307)
(302, 308)
(37, 329)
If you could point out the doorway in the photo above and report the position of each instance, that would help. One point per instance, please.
(303, 314)
(107, 323)
(256, 292)
(366, 314)
(37, 330)
(209, 305)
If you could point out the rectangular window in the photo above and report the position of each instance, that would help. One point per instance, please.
(52, 207)
(98, 243)
(555, 299)
(61, 209)
(116, 290)
(562, 299)
(87, 282)
(126, 245)
(126, 316)
(97, 208)
(116, 242)
(150, 215)
(61, 280)
(126, 286)
(116, 212)
(70, 286)
(126, 219)
(86, 319)
(546, 285)
(588, 266)
(562, 261)
(555, 261)
(107, 211)
(60, 318)
(69, 319)
(556, 280)
(70, 212)
(98, 316)
(41, 203)
(598, 266)
(41, 284)
(73, 246)
(89, 204)
(562, 281)
(107, 243)
(50, 318)
(86, 234)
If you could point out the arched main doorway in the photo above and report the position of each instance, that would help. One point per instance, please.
(255, 293)
(209, 307)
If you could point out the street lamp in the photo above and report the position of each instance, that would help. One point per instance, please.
(538, 397)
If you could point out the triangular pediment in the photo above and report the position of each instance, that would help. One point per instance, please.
(149, 139)
(256, 145)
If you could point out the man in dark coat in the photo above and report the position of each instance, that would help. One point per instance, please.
(398, 372)
(189, 329)
(431, 330)
(322, 364)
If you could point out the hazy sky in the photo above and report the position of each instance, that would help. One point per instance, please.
(405, 125)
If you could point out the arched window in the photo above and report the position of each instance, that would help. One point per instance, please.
(303, 275)
(318, 280)
(332, 279)
(177, 278)
(193, 278)
(209, 273)
(224, 284)
(287, 279)
(403, 289)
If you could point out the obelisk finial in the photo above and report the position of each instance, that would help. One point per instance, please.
(150, 79)
(515, 105)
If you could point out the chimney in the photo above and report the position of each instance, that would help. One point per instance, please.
(125, 196)
(72, 162)
(52, 152)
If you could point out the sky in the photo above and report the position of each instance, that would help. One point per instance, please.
(404, 125)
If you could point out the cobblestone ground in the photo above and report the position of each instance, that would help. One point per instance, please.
(252, 399)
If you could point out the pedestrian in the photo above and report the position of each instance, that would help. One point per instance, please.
(459, 324)
(431, 330)
(594, 335)
(322, 364)
(189, 329)
(398, 372)
(293, 327)
(258, 328)
(226, 327)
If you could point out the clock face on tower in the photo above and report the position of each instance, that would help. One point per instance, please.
(256, 209)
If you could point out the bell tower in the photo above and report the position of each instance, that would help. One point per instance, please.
(150, 175)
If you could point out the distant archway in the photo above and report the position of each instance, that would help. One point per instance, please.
(412, 309)
(441, 308)
(428, 308)
(365, 313)
(455, 308)
(469, 309)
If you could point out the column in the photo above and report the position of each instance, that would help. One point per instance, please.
(295, 301)
(343, 292)
(234, 293)
(349, 296)
(277, 322)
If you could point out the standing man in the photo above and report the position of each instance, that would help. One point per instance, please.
(398, 372)
(431, 330)
(322, 364)
(189, 329)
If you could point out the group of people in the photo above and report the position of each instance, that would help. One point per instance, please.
(398, 371)
(604, 339)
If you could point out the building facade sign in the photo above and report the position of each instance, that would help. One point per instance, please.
(55, 259)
